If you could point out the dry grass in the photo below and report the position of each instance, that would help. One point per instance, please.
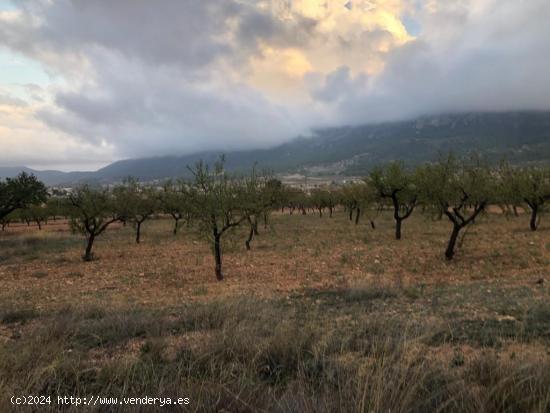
(320, 316)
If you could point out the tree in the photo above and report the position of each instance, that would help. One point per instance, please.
(530, 185)
(351, 198)
(55, 206)
(393, 183)
(274, 194)
(92, 210)
(21, 192)
(459, 191)
(332, 198)
(38, 214)
(135, 203)
(261, 193)
(7, 220)
(217, 203)
(297, 199)
(357, 197)
(175, 202)
(318, 198)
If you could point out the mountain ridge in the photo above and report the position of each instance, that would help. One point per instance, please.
(520, 137)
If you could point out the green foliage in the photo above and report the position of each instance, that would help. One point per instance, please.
(394, 185)
(91, 210)
(175, 198)
(220, 202)
(527, 185)
(38, 214)
(458, 190)
(394, 180)
(454, 186)
(216, 198)
(21, 192)
(135, 203)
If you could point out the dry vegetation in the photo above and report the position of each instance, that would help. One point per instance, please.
(320, 316)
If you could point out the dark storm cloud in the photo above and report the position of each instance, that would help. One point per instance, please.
(153, 77)
(152, 112)
(187, 33)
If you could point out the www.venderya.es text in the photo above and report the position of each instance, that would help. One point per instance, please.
(95, 400)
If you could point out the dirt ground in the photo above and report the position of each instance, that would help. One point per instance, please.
(315, 298)
(292, 255)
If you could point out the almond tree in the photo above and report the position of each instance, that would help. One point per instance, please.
(352, 195)
(39, 214)
(459, 191)
(274, 194)
(261, 193)
(358, 197)
(6, 221)
(394, 184)
(174, 201)
(135, 203)
(91, 210)
(20, 193)
(217, 203)
(530, 185)
(319, 200)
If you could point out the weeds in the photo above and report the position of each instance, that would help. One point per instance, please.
(223, 356)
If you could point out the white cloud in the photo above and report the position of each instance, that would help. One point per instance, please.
(136, 78)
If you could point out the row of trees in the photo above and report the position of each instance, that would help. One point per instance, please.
(215, 200)
(456, 189)
(218, 202)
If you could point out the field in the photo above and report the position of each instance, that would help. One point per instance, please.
(320, 316)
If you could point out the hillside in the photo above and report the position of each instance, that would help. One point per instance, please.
(519, 137)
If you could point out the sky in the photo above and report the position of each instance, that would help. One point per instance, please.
(86, 82)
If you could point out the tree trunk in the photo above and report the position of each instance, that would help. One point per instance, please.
(372, 224)
(39, 225)
(88, 253)
(250, 236)
(330, 212)
(351, 214)
(218, 256)
(357, 215)
(396, 216)
(515, 209)
(175, 231)
(138, 232)
(398, 228)
(533, 222)
(320, 213)
(450, 252)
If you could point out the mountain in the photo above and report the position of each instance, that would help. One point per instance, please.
(48, 177)
(520, 137)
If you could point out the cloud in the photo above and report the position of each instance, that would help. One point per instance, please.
(27, 141)
(155, 112)
(136, 78)
(472, 56)
(8, 100)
